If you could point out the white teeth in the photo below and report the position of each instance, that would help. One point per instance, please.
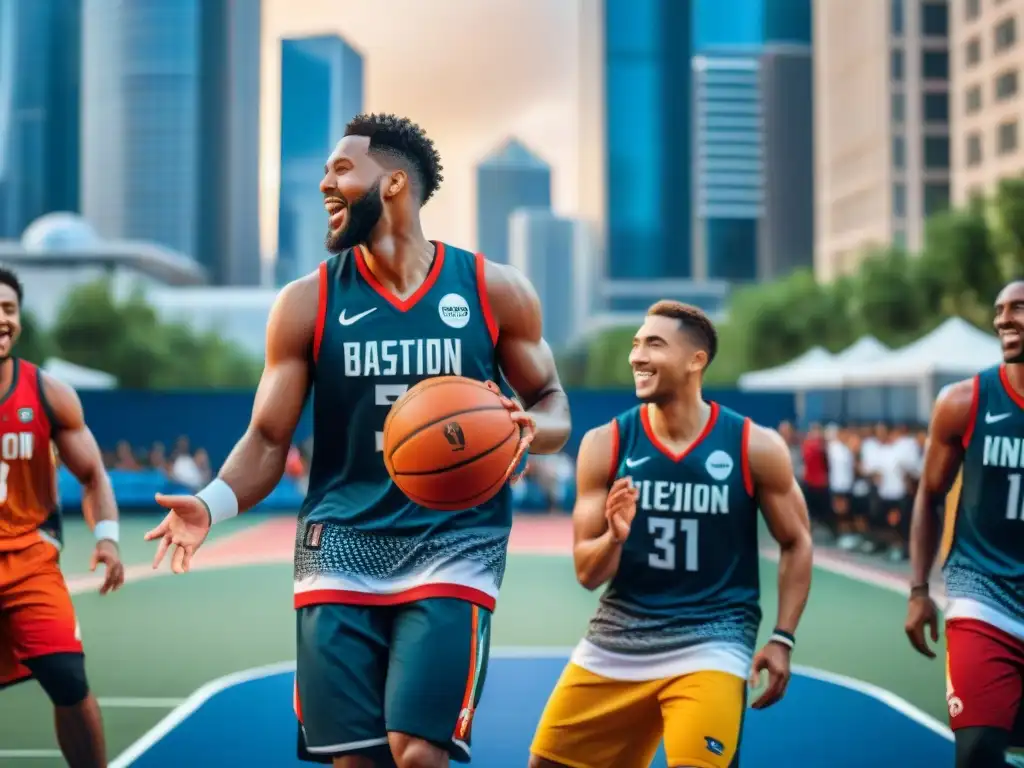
(643, 374)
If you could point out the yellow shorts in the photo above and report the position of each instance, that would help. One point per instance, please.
(596, 722)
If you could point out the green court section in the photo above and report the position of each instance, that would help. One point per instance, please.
(163, 638)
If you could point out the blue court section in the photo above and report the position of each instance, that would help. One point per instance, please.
(820, 724)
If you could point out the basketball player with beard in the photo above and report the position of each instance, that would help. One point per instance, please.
(393, 600)
(666, 515)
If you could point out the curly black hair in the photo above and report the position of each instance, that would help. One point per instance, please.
(401, 139)
(692, 321)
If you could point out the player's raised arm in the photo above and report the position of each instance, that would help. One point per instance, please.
(604, 510)
(526, 359)
(256, 464)
(785, 511)
(944, 453)
(81, 455)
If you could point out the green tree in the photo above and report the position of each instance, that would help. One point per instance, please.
(889, 301)
(1007, 224)
(127, 339)
(34, 344)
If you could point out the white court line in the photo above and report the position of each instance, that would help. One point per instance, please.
(29, 753)
(138, 702)
(188, 707)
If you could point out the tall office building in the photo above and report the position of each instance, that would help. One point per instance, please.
(728, 165)
(647, 47)
(321, 91)
(747, 125)
(986, 57)
(170, 128)
(510, 177)
(882, 147)
(553, 253)
(40, 83)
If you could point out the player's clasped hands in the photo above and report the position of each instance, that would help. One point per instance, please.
(184, 528)
(527, 429)
(620, 508)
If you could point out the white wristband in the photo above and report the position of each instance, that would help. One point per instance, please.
(107, 529)
(220, 500)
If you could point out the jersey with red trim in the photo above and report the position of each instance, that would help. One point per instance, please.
(360, 539)
(689, 568)
(28, 476)
(985, 530)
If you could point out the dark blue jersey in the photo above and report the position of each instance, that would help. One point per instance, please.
(358, 533)
(689, 569)
(984, 531)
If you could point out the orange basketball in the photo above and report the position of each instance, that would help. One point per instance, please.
(448, 443)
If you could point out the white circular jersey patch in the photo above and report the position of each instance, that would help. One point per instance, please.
(719, 465)
(454, 310)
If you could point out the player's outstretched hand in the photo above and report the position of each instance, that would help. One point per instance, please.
(922, 612)
(527, 429)
(620, 508)
(106, 552)
(185, 528)
(773, 659)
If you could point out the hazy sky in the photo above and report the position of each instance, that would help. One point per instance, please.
(471, 72)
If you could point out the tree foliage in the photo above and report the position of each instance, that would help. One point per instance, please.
(968, 255)
(126, 338)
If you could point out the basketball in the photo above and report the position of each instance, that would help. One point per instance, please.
(448, 443)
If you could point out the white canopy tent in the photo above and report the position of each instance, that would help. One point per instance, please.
(831, 374)
(955, 348)
(78, 376)
(786, 376)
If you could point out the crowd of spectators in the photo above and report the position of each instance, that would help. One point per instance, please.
(859, 481)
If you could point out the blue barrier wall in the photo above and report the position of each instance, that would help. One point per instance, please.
(215, 420)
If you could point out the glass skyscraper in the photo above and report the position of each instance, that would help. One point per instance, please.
(648, 129)
(510, 177)
(40, 86)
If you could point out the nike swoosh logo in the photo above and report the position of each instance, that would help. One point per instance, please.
(355, 318)
(990, 419)
(634, 463)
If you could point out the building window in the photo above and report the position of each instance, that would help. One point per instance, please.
(974, 149)
(972, 9)
(936, 107)
(972, 99)
(1006, 138)
(899, 201)
(899, 153)
(896, 66)
(1006, 85)
(935, 65)
(972, 51)
(898, 107)
(896, 19)
(935, 19)
(936, 153)
(936, 198)
(1004, 35)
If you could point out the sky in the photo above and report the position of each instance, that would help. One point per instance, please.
(471, 72)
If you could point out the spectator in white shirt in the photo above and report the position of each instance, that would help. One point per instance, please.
(840, 481)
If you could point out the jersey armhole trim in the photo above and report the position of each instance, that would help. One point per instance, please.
(613, 468)
(321, 311)
(44, 402)
(748, 476)
(484, 298)
(973, 413)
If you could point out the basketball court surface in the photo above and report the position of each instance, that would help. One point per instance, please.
(198, 669)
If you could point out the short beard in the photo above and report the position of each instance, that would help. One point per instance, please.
(363, 215)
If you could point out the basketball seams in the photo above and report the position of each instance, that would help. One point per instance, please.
(438, 420)
(419, 389)
(464, 462)
(467, 503)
